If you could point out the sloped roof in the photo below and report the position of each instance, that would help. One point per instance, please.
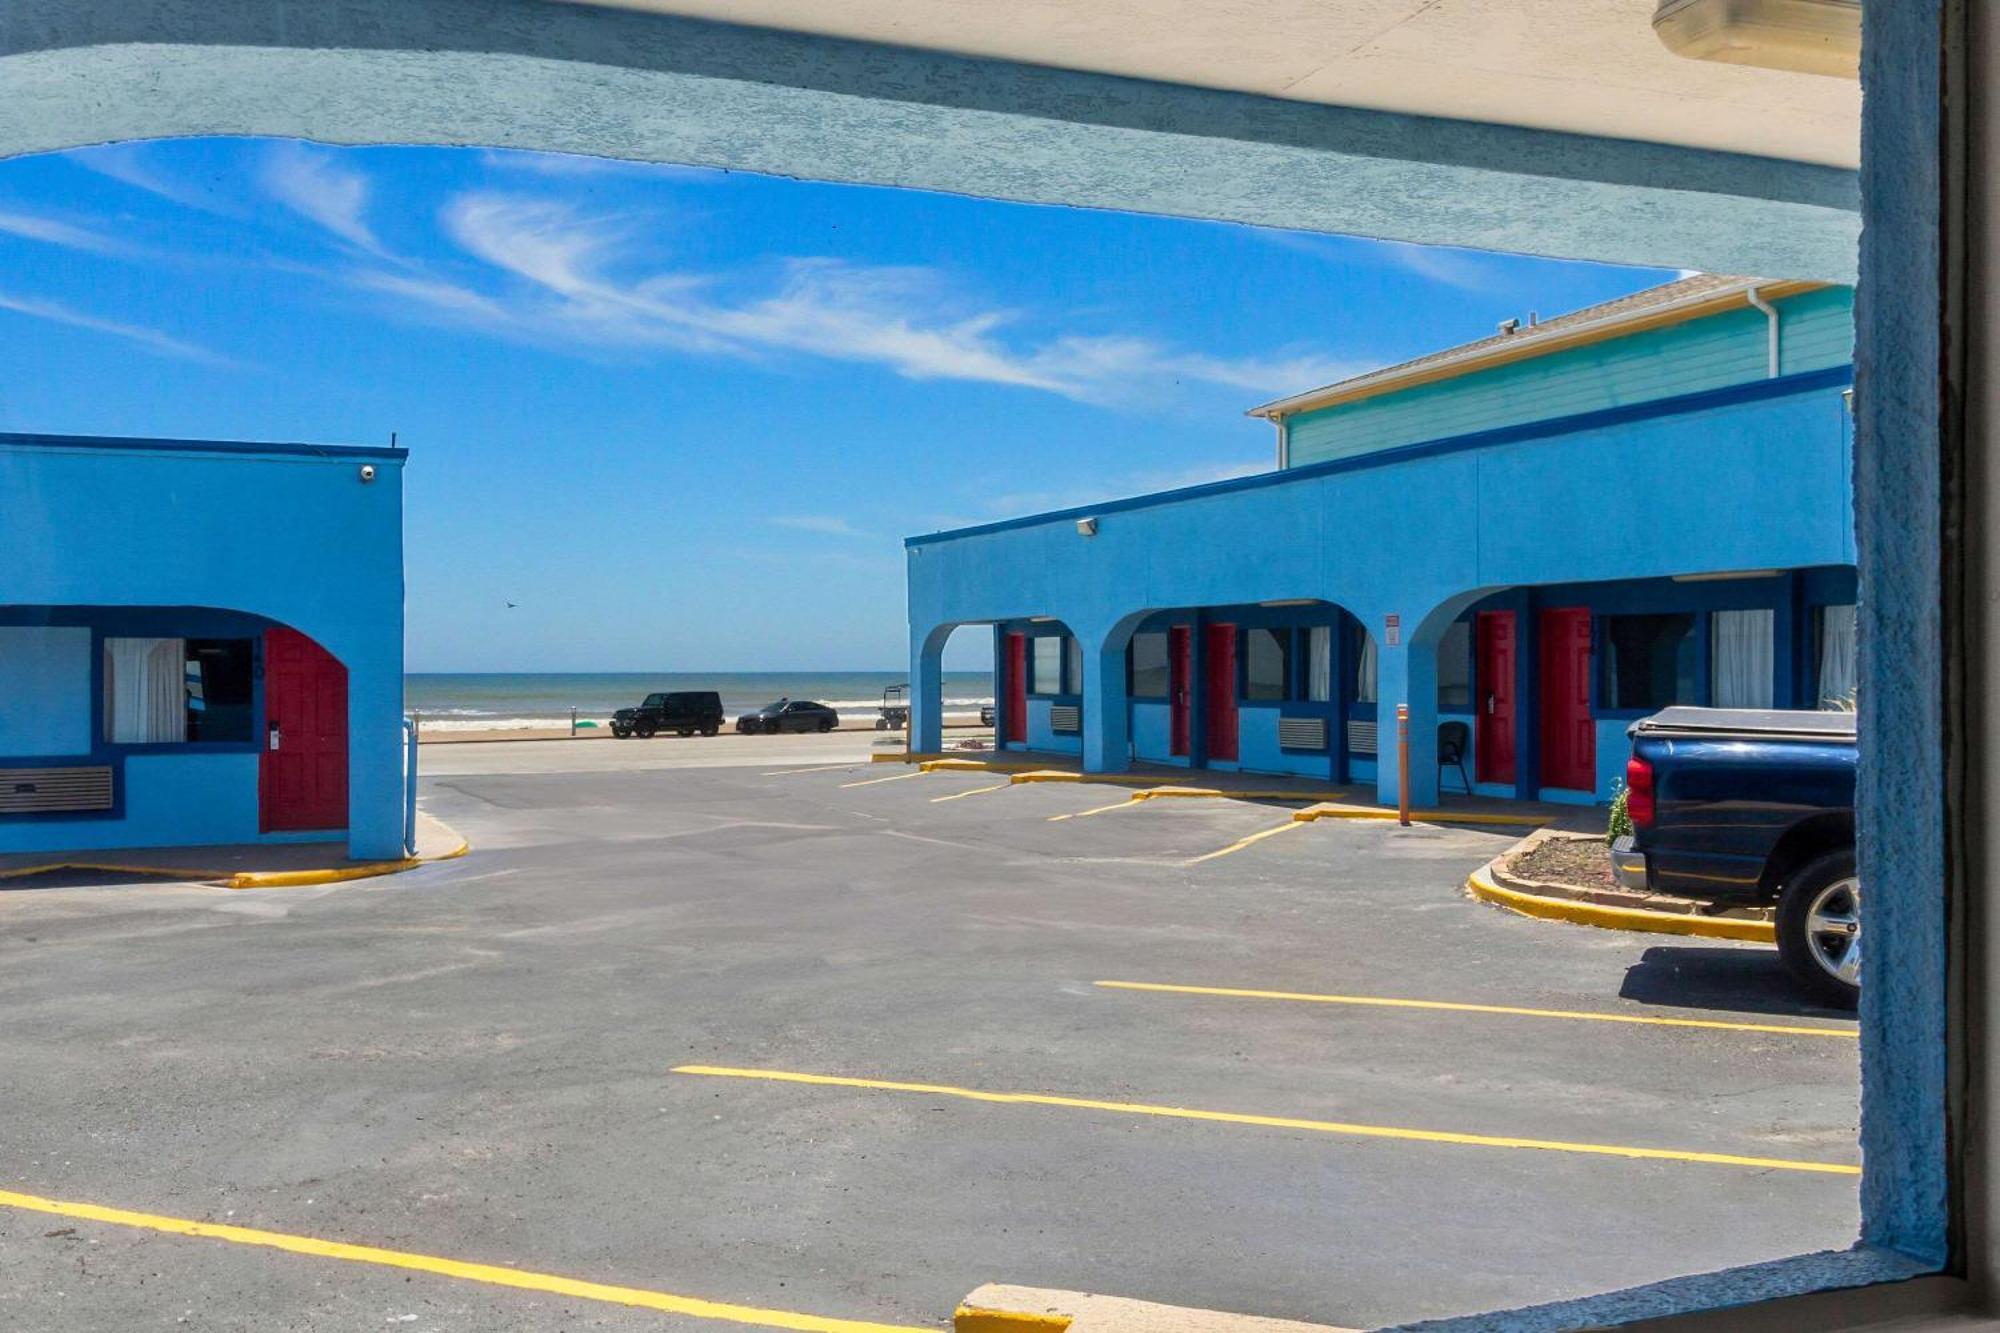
(1684, 298)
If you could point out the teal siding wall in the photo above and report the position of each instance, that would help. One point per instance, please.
(1817, 331)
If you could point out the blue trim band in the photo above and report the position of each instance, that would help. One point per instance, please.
(281, 449)
(1832, 377)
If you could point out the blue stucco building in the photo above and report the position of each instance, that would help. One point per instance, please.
(201, 643)
(1530, 540)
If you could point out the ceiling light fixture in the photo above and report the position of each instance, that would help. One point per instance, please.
(1804, 36)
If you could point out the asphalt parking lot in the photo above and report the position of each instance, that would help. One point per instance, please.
(477, 1061)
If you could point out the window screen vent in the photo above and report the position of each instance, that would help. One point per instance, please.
(1361, 738)
(1066, 718)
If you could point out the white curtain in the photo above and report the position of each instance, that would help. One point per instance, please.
(1073, 651)
(1837, 681)
(1364, 671)
(1745, 674)
(1319, 664)
(145, 691)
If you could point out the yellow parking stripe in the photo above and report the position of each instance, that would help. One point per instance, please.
(1098, 810)
(893, 777)
(492, 1274)
(1284, 1122)
(976, 791)
(1241, 843)
(1581, 1015)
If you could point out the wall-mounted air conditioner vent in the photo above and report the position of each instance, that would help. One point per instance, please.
(1302, 733)
(1361, 738)
(33, 791)
(1066, 718)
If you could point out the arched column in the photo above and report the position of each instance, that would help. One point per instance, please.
(377, 761)
(1107, 704)
(1407, 674)
(927, 688)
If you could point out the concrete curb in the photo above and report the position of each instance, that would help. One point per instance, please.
(298, 879)
(1331, 810)
(1322, 804)
(1001, 1308)
(1482, 885)
(243, 879)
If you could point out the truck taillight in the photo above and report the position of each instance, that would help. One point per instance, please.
(1639, 792)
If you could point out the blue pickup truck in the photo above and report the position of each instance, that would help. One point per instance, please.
(1737, 806)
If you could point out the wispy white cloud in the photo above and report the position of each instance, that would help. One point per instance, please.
(54, 231)
(829, 525)
(316, 186)
(151, 339)
(576, 164)
(131, 164)
(1144, 481)
(557, 276)
(1450, 266)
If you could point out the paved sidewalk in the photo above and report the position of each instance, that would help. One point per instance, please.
(235, 865)
(1321, 799)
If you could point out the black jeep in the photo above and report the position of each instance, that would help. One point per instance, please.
(684, 711)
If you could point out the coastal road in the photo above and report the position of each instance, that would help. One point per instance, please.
(730, 1033)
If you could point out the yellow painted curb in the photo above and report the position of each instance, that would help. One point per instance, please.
(116, 868)
(1417, 816)
(1003, 1308)
(976, 1319)
(295, 879)
(1482, 887)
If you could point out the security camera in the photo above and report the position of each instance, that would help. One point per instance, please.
(1086, 527)
(367, 473)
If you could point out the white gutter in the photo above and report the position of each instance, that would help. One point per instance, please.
(1757, 301)
(1546, 331)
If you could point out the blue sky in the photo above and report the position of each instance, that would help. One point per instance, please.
(683, 418)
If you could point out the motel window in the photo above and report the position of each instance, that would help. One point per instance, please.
(1072, 665)
(1045, 670)
(1648, 661)
(1743, 659)
(1267, 664)
(1455, 667)
(160, 691)
(1365, 669)
(1319, 664)
(1833, 631)
(1150, 673)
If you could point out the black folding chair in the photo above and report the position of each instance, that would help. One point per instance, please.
(1453, 740)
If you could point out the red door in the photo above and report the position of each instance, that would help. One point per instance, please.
(1569, 737)
(302, 783)
(1493, 748)
(1180, 666)
(1016, 719)
(1219, 697)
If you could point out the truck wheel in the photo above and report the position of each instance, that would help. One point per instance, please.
(1819, 929)
(686, 732)
(709, 730)
(645, 733)
(620, 732)
(825, 725)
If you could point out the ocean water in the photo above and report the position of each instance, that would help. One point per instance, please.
(480, 701)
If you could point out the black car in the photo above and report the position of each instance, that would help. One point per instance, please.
(789, 715)
(683, 711)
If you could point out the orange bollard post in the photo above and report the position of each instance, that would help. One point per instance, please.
(1403, 765)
